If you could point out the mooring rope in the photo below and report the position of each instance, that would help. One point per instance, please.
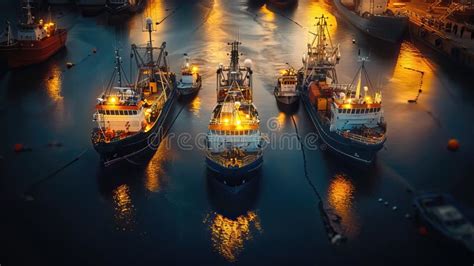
(31, 189)
(334, 236)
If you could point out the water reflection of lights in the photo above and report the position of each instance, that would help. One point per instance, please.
(124, 209)
(316, 9)
(229, 235)
(268, 16)
(195, 106)
(215, 35)
(340, 197)
(406, 75)
(54, 83)
(154, 171)
(156, 10)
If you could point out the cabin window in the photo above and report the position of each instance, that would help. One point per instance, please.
(121, 112)
(366, 111)
(135, 112)
(378, 109)
(357, 111)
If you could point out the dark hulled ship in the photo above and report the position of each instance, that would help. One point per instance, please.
(374, 18)
(234, 141)
(133, 119)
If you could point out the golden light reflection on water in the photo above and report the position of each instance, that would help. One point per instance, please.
(316, 9)
(281, 119)
(195, 106)
(268, 16)
(229, 235)
(154, 171)
(124, 209)
(406, 78)
(54, 84)
(156, 10)
(340, 197)
(215, 35)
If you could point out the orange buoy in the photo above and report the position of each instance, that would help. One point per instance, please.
(18, 147)
(453, 144)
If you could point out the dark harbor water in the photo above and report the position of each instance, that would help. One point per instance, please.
(169, 210)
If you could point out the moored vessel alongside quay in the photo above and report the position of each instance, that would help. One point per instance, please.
(374, 18)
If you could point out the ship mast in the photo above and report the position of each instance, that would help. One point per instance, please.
(9, 34)
(149, 28)
(234, 56)
(118, 67)
(322, 56)
(29, 16)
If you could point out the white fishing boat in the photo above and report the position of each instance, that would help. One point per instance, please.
(190, 81)
(286, 91)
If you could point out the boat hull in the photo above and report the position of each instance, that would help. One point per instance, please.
(288, 100)
(188, 90)
(387, 28)
(139, 143)
(355, 151)
(26, 53)
(234, 176)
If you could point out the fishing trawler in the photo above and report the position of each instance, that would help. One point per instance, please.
(234, 141)
(234, 73)
(286, 91)
(36, 41)
(374, 18)
(348, 122)
(190, 81)
(133, 119)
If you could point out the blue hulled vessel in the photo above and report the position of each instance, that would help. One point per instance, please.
(348, 121)
(234, 140)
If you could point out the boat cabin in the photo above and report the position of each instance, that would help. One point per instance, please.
(122, 111)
